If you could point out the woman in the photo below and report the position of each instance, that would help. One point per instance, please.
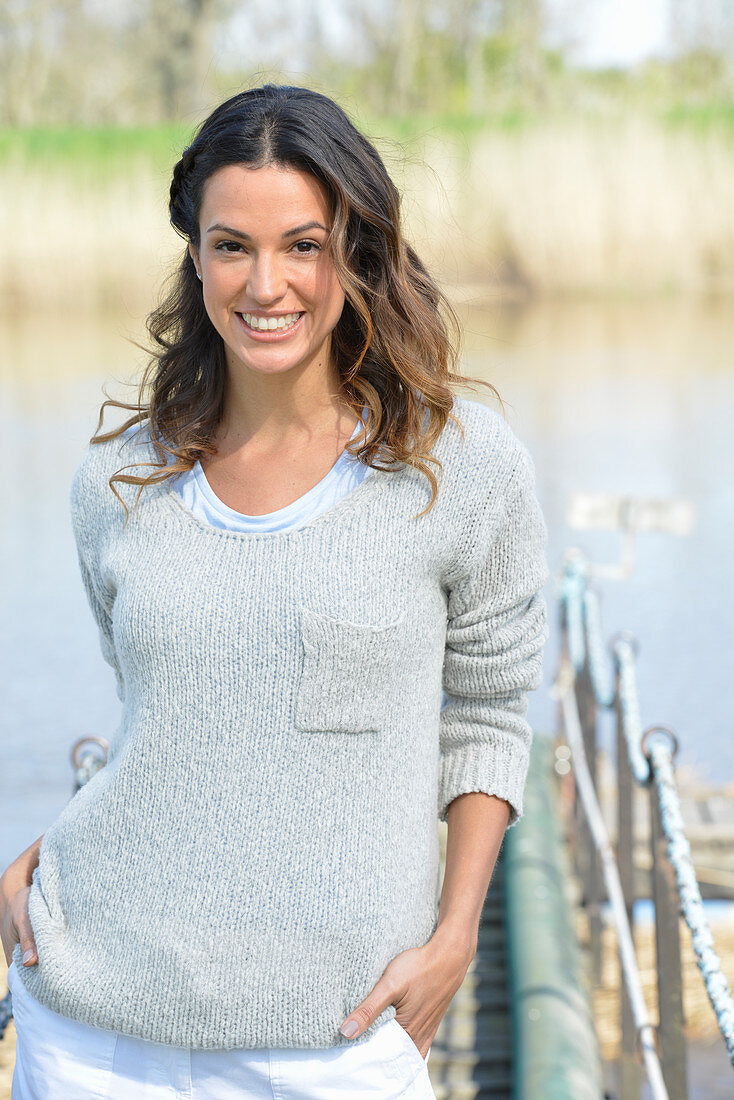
(243, 902)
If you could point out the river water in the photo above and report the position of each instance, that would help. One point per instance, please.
(630, 398)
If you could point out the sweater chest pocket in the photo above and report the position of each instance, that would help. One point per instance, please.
(347, 672)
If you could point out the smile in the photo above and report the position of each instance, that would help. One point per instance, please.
(270, 324)
(273, 329)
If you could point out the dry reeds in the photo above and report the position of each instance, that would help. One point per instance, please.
(563, 207)
(582, 208)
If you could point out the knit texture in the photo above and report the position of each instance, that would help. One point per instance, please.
(263, 840)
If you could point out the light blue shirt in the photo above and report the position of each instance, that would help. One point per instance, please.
(198, 495)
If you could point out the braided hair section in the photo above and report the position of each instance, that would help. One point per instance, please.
(181, 199)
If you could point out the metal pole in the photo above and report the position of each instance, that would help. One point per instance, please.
(576, 820)
(593, 884)
(667, 946)
(581, 829)
(629, 1067)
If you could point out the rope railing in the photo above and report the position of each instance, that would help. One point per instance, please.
(691, 904)
(581, 687)
(644, 1029)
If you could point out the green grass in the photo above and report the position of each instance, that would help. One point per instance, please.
(105, 149)
(704, 116)
(413, 126)
(95, 146)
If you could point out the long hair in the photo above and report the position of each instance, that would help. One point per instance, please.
(396, 344)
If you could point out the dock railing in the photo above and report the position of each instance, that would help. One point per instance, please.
(645, 759)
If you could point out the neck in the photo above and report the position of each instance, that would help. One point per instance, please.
(272, 408)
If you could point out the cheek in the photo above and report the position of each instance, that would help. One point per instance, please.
(327, 290)
(221, 289)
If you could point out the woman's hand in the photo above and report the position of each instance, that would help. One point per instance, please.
(15, 925)
(15, 886)
(421, 983)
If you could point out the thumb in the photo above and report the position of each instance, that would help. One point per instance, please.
(360, 1018)
(25, 936)
(28, 951)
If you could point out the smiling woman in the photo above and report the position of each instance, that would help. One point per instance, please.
(317, 652)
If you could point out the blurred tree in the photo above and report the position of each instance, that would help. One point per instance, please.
(702, 36)
(410, 13)
(28, 29)
(471, 23)
(390, 42)
(524, 22)
(145, 61)
(176, 43)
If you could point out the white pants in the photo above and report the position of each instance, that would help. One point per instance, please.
(58, 1058)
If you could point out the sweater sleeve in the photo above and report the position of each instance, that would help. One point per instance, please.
(496, 632)
(86, 519)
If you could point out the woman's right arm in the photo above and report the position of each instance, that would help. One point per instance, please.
(15, 925)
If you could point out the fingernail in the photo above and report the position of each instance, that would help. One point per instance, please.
(28, 955)
(350, 1028)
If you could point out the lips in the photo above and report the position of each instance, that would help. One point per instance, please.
(270, 335)
(270, 322)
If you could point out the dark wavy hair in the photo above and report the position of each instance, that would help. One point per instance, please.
(396, 344)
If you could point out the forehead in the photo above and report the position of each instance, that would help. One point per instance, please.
(269, 194)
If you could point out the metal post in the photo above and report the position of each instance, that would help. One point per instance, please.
(577, 813)
(582, 832)
(667, 945)
(629, 1066)
(593, 886)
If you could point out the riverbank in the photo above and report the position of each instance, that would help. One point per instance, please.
(627, 206)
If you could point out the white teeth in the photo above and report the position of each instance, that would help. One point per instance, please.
(268, 323)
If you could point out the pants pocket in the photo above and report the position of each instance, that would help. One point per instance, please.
(409, 1046)
(54, 1054)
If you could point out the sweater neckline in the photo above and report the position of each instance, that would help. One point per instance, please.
(280, 517)
(347, 503)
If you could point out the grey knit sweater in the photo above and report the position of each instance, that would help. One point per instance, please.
(263, 841)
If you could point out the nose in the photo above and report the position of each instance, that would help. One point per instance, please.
(266, 281)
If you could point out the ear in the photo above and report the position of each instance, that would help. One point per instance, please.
(194, 256)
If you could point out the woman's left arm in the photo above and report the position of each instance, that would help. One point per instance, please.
(476, 827)
(496, 632)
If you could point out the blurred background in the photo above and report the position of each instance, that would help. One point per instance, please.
(566, 169)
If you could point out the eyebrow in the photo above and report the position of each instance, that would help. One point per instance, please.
(217, 227)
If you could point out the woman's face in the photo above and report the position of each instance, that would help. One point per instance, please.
(263, 262)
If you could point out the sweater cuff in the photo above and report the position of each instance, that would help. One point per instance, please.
(498, 767)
